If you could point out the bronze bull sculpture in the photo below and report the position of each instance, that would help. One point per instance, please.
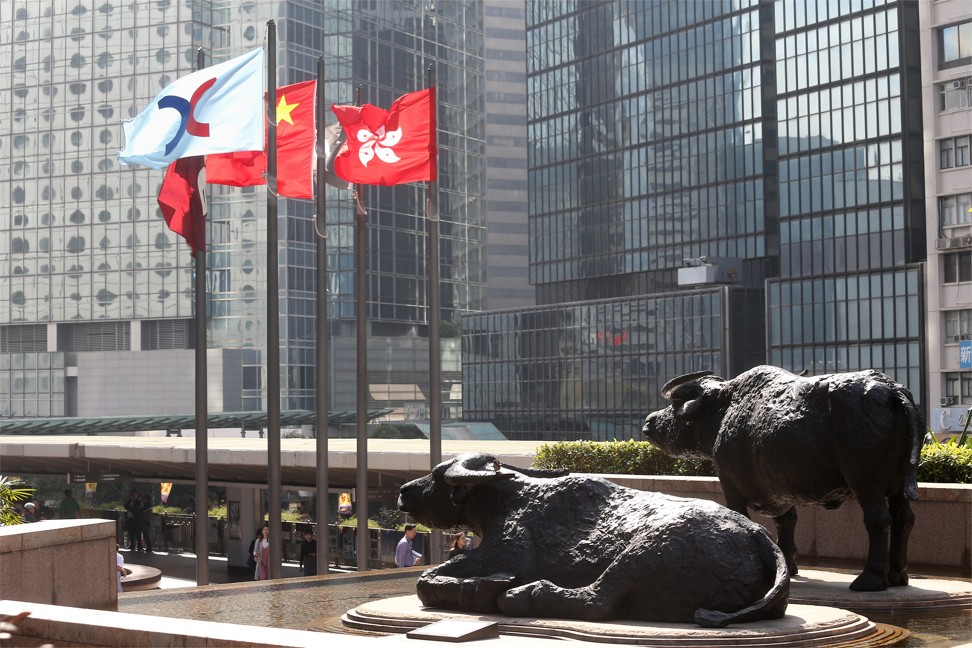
(779, 439)
(581, 547)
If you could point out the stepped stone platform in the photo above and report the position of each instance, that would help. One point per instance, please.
(803, 625)
(140, 578)
(814, 587)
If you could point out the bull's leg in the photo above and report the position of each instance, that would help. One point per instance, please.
(545, 599)
(877, 520)
(600, 600)
(785, 532)
(902, 521)
(468, 584)
(734, 498)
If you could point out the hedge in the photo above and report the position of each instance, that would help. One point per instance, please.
(940, 462)
(617, 457)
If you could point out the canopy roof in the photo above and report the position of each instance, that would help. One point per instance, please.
(107, 424)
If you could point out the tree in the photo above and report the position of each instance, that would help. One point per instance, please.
(9, 493)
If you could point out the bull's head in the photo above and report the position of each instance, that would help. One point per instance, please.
(438, 499)
(684, 428)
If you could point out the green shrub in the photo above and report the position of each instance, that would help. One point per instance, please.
(617, 458)
(945, 463)
(948, 463)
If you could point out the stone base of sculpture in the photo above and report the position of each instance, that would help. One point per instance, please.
(803, 625)
(921, 595)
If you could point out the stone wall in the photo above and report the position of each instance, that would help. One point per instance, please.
(942, 536)
(61, 562)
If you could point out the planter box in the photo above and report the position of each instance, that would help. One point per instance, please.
(942, 535)
(61, 562)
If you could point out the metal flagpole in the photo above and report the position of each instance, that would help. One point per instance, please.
(202, 404)
(435, 353)
(273, 311)
(361, 329)
(321, 382)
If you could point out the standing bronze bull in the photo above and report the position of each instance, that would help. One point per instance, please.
(778, 439)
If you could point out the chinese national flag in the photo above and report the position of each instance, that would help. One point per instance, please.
(295, 148)
(389, 147)
(181, 203)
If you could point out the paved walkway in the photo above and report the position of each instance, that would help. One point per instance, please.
(179, 569)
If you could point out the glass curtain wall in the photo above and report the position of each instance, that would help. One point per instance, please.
(849, 294)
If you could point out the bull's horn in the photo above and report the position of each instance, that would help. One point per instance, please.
(542, 473)
(675, 383)
(475, 469)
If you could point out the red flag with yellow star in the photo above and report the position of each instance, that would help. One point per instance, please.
(295, 148)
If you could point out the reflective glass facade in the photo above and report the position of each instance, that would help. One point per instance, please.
(82, 240)
(852, 223)
(592, 370)
(775, 134)
(646, 132)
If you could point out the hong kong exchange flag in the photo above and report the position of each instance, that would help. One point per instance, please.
(389, 147)
(216, 110)
(296, 108)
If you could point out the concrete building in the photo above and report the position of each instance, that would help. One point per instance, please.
(96, 301)
(507, 284)
(946, 71)
(712, 186)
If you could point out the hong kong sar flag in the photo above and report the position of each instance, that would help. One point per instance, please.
(389, 147)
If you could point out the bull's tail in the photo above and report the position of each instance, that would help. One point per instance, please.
(771, 606)
(917, 428)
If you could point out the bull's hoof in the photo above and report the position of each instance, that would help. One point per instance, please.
(792, 568)
(517, 601)
(867, 582)
(897, 578)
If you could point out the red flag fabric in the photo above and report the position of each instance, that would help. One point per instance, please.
(181, 203)
(295, 148)
(389, 147)
(240, 169)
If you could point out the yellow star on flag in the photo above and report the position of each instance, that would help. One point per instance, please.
(284, 109)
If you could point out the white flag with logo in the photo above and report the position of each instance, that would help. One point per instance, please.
(218, 109)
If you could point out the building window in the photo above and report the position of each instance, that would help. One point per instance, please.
(955, 45)
(954, 95)
(958, 325)
(958, 387)
(954, 210)
(954, 152)
(958, 267)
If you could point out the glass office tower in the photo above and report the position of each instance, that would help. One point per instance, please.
(96, 305)
(670, 146)
(852, 213)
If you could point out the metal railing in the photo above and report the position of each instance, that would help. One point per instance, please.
(177, 533)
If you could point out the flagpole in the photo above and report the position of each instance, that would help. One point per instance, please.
(273, 311)
(435, 353)
(202, 403)
(361, 332)
(321, 382)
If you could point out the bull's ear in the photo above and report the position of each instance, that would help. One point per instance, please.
(690, 409)
(460, 494)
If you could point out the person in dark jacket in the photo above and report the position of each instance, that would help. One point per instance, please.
(458, 545)
(308, 554)
(133, 512)
(145, 523)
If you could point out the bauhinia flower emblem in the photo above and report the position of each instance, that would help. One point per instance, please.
(378, 143)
